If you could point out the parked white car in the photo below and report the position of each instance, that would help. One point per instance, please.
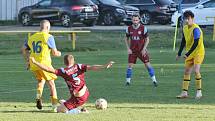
(201, 12)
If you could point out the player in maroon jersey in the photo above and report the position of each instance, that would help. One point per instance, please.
(74, 78)
(136, 41)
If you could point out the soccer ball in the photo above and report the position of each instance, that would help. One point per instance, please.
(101, 104)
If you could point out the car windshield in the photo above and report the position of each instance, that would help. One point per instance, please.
(81, 2)
(164, 2)
(110, 2)
(190, 1)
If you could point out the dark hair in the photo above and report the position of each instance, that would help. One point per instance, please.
(188, 13)
(136, 15)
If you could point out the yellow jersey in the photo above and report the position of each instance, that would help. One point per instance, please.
(39, 49)
(189, 38)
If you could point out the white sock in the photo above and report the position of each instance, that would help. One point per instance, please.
(153, 79)
(128, 80)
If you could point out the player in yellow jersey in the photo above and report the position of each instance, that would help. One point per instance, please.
(192, 40)
(39, 46)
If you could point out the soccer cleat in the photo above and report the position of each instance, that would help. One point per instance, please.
(39, 103)
(198, 94)
(155, 83)
(127, 84)
(84, 110)
(54, 109)
(182, 95)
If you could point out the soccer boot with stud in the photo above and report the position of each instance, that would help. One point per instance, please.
(183, 95)
(39, 103)
(198, 94)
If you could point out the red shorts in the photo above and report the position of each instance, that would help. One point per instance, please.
(132, 58)
(75, 102)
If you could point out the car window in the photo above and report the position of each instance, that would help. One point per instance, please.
(146, 1)
(112, 2)
(81, 2)
(139, 1)
(164, 2)
(45, 3)
(132, 1)
(59, 2)
(190, 1)
(210, 4)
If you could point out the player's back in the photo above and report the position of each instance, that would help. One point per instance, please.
(74, 76)
(39, 49)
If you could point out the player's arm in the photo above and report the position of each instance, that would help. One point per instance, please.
(147, 38)
(25, 52)
(99, 67)
(128, 41)
(41, 66)
(196, 34)
(183, 43)
(81, 92)
(52, 46)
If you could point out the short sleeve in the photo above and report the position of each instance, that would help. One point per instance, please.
(127, 32)
(51, 42)
(59, 72)
(26, 45)
(82, 67)
(145, 31)
(196, 33)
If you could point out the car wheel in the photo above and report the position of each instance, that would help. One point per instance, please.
(146, 18)
(90, 23)
(25, 19)
(66, 20)
(108, 19)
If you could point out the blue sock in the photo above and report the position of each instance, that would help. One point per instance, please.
(129, 73)
(73, 111)
(151, 71)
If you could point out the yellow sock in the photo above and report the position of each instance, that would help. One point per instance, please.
(54, 100)
(39, 93)
(198, 81)
(186, 82)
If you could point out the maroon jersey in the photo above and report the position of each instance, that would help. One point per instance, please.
(74, 77)
(137, 37)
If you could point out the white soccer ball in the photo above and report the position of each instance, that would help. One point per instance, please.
(101, 104)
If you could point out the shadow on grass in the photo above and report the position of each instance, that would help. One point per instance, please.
(29, 111)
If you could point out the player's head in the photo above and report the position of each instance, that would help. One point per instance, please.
(69, 60)
(188, 17)
(45, 25)
(136, 19)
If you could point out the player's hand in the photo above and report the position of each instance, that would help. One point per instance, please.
(110, 64)
(185, 56)
(143, 52)
(32, 59)
(129, 51)
(27, 64)
(177, 57)
(59, 53)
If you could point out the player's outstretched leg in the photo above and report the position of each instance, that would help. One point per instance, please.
(151, 74)
(128, 76)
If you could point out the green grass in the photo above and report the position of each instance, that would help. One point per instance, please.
(139, 102)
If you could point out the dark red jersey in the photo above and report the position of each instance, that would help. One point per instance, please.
(137, 37)
(74, 76)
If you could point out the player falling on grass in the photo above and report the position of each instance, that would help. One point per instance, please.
(73, 75)
(137, 41)
(192, 40)
(39, 46)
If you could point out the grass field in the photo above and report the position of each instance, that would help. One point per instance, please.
(139, 102)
